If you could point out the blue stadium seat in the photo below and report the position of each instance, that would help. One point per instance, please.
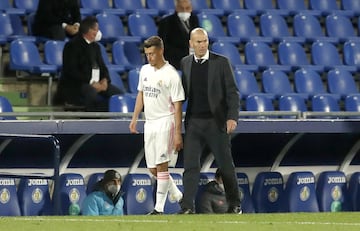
(202, 6)
(259, 103)
(229, 6)
(134, 6)
(341, 82)
(109, 64)
(351, 5)
(295, 6)
(72, 192)
(5, 106)
(116, 80)
(112, 29)
(93, 179)
(300, 192)
(6, 7)
(127, 54)
(276, 82)
(232, 53)
(30, 6)
(260, 54)
(205, 177)
(9, 204)
(142, 25)
(326, 54)
(352, 103)
(354, 191)
(308, 26)
(53, 52)
(351, 52)
(293, 54)
(247, 204)
(213, 26)
(259, 5)
(133, 80)
(25, 56)
(274, 26)
(10, 30)
(242, 26)
(121, 103)
(164, 6)
(100, 6)
(171, 205)
(308, 82)
(138, 194)
(268, 192)
(292, 102)
(34, 197)
(325, 103)
(332, 187)
(246, 83)
(327, 7)
(340, 27)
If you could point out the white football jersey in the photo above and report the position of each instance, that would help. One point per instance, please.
(161, 88)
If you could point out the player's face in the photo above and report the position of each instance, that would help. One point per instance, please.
(153, 55)
(200, 43)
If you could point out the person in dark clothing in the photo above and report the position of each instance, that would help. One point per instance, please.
(211, 116)
(213, 199)
(57, 19)
(174, 31)
(85, 78)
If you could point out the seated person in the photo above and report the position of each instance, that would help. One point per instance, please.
(213, 199)
(85, 78)
(106, 197)
(57, 19)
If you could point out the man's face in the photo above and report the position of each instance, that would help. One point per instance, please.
(200, 43)
(184, 6)
(91, 34)
(153, 55)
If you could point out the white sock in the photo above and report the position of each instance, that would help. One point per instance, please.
(161, 190)
(174, 190)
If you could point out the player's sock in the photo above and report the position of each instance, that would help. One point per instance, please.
(174, 190)
(162, 190)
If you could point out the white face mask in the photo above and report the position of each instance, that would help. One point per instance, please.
(184, 15)
(98, 36)
(113, 188)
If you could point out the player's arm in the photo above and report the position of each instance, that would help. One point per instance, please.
(178, 142)
(139, 104)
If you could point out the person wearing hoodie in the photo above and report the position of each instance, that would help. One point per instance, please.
(106, 197)
(213, 199)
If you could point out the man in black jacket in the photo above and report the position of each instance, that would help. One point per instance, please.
(211, 116)
(85, 78)
(174, 31)
(57, 19)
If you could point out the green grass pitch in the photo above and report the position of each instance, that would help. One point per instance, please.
(250, 222)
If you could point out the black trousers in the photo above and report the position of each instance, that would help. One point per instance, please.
(200, 133)
(98, 101)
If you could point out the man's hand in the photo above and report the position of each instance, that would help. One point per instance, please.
(72, 29)
(230, 126)
(178, 142)
(132, 127)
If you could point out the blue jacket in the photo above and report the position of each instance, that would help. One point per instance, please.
(98, 203)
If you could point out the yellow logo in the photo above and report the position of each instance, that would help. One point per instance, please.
(140, 195)
(4, 196)
(273, 194)
(37, 195)
(74, 195)
(304, 193)
(336, 193)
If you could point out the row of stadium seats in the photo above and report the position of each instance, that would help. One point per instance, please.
(217, 6)
(269, 193)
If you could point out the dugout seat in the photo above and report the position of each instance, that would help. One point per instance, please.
(300, 192)
(247, 204)
(34, 197)
(354, 191)
(332, 187)
(9, 204)
(268, 192)
(122, 103)
(5, 106)
(138, 194)
(72, 192)
(93, 179)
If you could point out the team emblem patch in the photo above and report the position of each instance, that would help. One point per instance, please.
(304, 193)
(37, 195)
(336, 193)
(140, 195)
(74, 195)
(4, 196)
(273, 194)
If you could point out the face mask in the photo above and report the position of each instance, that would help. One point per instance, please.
(98, 36)
(184, 15)
(113, 189)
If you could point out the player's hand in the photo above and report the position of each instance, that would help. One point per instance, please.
(132, 127)
(178, 142)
